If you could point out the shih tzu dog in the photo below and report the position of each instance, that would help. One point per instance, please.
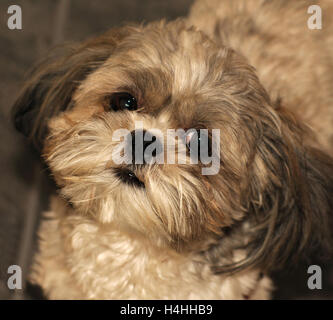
(252, 71)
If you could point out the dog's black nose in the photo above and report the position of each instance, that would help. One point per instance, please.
(144, 146)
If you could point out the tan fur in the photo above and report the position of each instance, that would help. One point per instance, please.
(81, 259)
(262, 82)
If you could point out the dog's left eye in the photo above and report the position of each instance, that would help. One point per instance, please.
(123, 101)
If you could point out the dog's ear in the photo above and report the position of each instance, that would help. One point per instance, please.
(50, 85)
(291, 196)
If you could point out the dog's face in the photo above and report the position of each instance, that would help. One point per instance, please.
(168, 76)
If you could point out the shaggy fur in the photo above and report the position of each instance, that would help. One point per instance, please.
(266, 84)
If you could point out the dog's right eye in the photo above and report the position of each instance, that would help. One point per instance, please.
(199, 143)
(122, 101)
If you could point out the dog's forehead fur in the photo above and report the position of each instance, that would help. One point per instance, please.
(163, 66)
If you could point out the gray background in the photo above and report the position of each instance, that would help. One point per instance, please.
(23, 183)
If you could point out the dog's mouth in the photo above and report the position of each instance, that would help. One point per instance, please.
(129, 177)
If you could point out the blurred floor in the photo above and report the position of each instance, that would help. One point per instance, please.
(22, 191)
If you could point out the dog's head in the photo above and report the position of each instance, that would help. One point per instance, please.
(269, 186)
